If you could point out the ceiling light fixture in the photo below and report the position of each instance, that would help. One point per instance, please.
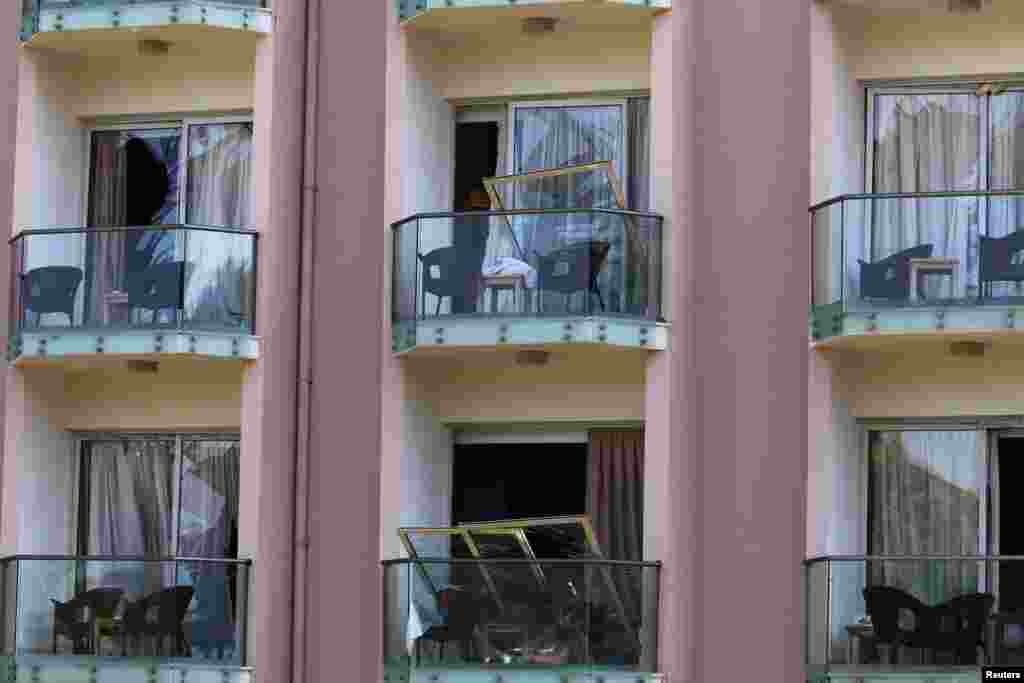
(153, 48)
(967, 5)
(969, 349)
(532, 357)
(539, 25)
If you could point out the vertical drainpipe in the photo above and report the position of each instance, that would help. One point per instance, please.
(305, 378)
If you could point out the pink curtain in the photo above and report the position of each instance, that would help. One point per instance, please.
(615, 492)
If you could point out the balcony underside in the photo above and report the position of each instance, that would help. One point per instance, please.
(511, 331)
(868, 329)
(54, 20)
(452, 14)
(53, 347)
(83, 669)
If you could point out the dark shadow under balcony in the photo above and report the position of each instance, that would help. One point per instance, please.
(133, 292)
(921, 264)
(527, 278)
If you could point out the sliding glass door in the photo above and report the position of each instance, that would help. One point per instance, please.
(927, 496)
(141, 178)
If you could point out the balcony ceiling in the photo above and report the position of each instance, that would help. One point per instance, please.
(502, 20)
(929, 6)
(185, 41)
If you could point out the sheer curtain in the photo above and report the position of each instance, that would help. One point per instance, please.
(552, 137)
(1006, 136)
(923, 143)
(219, 269)
(209, 528)
(131, 486)
(927, 497)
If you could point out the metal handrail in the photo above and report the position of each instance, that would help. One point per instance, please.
(594, 562)
(911, 558)
(124, 558)
(525, 212)
(947, 194)
(145, 228)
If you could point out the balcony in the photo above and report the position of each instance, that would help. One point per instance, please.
(916, 264)
(61, 16)
(148, 292)
(491, 279)
(906, 618)
(520, 620)
(125, 619)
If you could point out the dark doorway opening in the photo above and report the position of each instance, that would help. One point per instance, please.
(492, 482)
(1011, 533)
(476, 158)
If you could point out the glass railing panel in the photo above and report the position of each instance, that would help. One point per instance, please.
(875, 256)
(900, 612)
(584, 262)
(187, 609)
(66, 4)
(816, 622)
(568, 616)
(912, 250)
(220, 281)
(135, 278)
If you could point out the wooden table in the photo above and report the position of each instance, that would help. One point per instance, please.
(516, 282)
(941, 265)
(115, 307)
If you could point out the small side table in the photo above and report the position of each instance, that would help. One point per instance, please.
(855, 634)
(516, 282)
(115, 308)
(943, 266)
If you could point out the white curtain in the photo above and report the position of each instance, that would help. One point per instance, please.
(219, 266)
(923, 143)
(131, 486)
(220, 175)
(927, 497)
(551, 137)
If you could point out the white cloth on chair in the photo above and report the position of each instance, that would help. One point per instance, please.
(507, 265)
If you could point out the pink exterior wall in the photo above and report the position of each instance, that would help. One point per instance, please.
(9, 16)
(727, 405)
(343, 598)
(269, 388)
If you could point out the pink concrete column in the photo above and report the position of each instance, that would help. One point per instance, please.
(726, 412)
(344, 598)
(10, 15)
(751, 106)
(269, 392)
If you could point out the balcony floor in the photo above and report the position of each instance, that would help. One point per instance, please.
(82, 669)
(904, 675)
(503, 331)
(512, 674)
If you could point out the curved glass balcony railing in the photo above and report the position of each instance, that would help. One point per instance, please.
(543, 620)
(876, 617)
(133, 290)
(40, 16)
(917, 262)
(527, 274)
(191, 610)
